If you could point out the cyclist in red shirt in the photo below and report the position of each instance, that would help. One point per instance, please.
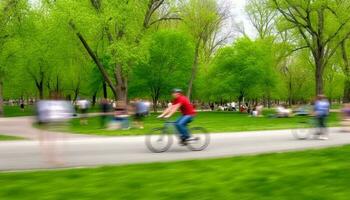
(188, 112)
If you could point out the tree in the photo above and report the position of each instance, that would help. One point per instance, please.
(123, 23)
(297, 72)
(321, 25)
(244, 69)
(170, 58)
(10, 15)
(203, 19)
(334, 79)
(262, 17)
(44, 54)
(346, 70)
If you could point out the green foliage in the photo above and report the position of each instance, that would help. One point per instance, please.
(39, 47)
(168, 65)
(246, 69)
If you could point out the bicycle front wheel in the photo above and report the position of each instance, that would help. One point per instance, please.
(159, 140)
(200, 139)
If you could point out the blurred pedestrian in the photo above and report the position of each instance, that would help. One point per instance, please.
(233, 105)
(249, 109)
(105, 109)
(212, 106)
(141, 110)
(122, 115)
(83, 106)
(321, 112)
(259, 109)
(283, 111)
(22, 105)
(52, 115)
(346, 117)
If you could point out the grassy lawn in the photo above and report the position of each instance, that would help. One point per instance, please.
(336, 106)
(213, 121)
(15, 111)
(7, 138)
(309, 175)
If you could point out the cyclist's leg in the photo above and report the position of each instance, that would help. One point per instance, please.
(318, 125)
(323, 125)
(181, 125)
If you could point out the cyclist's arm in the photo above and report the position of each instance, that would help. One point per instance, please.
(173, 109)
(170, 111)
(165, 112)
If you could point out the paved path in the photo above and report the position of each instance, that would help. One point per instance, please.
(76, 151)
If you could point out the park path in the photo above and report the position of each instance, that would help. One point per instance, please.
(84, 151)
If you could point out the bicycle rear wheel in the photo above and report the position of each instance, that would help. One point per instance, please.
(159, 140)
(306, 129)
(302, 133)
(200, 139)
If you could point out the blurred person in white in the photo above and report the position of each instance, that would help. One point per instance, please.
(282, 111)
(52, 114)
(233, 105)
(321, 112)
(83, 106)
(54, 111)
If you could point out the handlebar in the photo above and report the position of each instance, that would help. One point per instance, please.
(166, 120)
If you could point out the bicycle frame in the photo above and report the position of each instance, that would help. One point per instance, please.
(171, 125)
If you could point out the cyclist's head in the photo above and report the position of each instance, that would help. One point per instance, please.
(176, 92)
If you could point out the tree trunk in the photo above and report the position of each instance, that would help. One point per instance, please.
(95, 59)
(104, 86)
(94, 99)
(155, 97)
(40, 87)
(194, 70)
(290, 91)
(319, 56)
(240, 99)
(57, 84)
(319, 75)
(1, 98)
(41, 92)
(76, 94)
(346, 94)
(122, 93)
(154, 102)
(39, 82)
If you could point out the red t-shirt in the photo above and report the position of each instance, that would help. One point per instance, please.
(186, 107)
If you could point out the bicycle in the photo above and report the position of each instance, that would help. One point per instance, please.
(161, 139)
(308, 129)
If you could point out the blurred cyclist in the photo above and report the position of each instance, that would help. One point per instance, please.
(321, 110)
(188, 112)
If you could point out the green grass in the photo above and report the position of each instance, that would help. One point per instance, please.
(309, 175)
(213, 121)
(336, 106)
(7, 138)
(15, 111)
